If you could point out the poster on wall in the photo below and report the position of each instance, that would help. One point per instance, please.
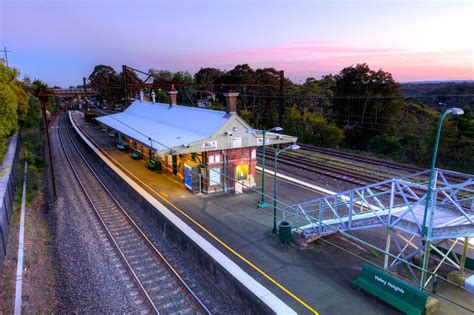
(215, 176)
(210, 145)
(188, 182)
(237, 142)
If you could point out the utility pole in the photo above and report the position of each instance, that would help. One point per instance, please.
(86, 101)
(125, 90)
(48, 145)
(282, 98)
(5, 52)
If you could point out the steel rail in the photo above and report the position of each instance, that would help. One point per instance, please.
(109, 234)
(330, 171)
(364, 159)
(133, 224)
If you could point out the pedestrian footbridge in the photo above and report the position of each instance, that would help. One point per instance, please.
(395, 203)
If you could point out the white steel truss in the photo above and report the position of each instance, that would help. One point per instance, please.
(398, 205)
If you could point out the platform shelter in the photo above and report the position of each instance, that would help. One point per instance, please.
(210, 150)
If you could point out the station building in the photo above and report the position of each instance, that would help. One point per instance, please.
(209, 150)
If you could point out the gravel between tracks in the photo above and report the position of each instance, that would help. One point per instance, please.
(90, 279)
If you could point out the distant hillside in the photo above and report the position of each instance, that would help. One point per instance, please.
(449, 94)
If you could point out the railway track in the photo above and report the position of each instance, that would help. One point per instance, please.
(360, 158)
(347, 173)
(162, 288)
(339, 173)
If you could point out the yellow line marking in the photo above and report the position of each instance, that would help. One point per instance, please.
(284, 289)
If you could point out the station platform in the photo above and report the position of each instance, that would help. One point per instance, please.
(318, 277)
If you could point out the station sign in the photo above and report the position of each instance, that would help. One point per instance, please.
(260, 141)
(237, 142)
(210, 145)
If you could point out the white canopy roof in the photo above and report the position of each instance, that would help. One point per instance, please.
(168, 126)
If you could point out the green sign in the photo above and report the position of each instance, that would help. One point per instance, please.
(392, 290)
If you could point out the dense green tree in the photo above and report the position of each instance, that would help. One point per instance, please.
(13, 103)
(208, 75)
(107, 82)
(182, 77)
(241, 74)
(161, 76)
(311, 128)
(162, 97)
(368, 104)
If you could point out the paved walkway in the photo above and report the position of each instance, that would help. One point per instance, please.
(319, 275)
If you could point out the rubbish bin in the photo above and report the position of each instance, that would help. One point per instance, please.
(284, 231)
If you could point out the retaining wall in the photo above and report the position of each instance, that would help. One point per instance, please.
(8, 178)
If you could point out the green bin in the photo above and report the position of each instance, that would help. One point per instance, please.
(284, 231)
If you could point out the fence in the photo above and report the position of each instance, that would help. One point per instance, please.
(7, 193)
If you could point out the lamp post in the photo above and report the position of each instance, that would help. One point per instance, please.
(262, 203)
(453, 111)
(275, 181)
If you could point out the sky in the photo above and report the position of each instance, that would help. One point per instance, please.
(60, 42)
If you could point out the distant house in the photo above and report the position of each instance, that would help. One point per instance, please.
(207, 100)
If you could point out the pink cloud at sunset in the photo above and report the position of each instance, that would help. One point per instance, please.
(318, 58)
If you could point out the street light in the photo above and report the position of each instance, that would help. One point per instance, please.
(262, 203)
(275, 182)
(453, 111)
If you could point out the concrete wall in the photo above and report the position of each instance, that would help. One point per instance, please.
(241, 295)
(8, 179)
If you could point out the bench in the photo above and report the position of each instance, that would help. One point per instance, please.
(154, 165)
(136, 155)
(392, 290)
(122, 146)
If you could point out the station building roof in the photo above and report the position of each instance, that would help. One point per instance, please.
(183, 129)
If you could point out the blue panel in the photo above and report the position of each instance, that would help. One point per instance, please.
(187, 177)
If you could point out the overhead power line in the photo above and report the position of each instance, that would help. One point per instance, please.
(353, 96)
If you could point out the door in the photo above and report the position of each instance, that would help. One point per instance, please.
(175, 164)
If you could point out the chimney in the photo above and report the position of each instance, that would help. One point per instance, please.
(173, 97)
(153, 96)
(231, 102)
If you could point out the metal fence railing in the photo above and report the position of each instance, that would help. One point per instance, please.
(7, 193)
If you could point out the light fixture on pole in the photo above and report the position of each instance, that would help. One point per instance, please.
(275, 181)
(262, 203)
(452, 111)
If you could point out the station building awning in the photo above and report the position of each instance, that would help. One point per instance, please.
(177, 129)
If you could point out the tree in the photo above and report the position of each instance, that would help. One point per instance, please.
(107, 82)
(241, 74)
(13, 103)
(311, 128)
(182, 77)
(161, 76)
(208, 75)
(369, 103)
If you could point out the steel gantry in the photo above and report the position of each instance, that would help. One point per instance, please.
(398, 206)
